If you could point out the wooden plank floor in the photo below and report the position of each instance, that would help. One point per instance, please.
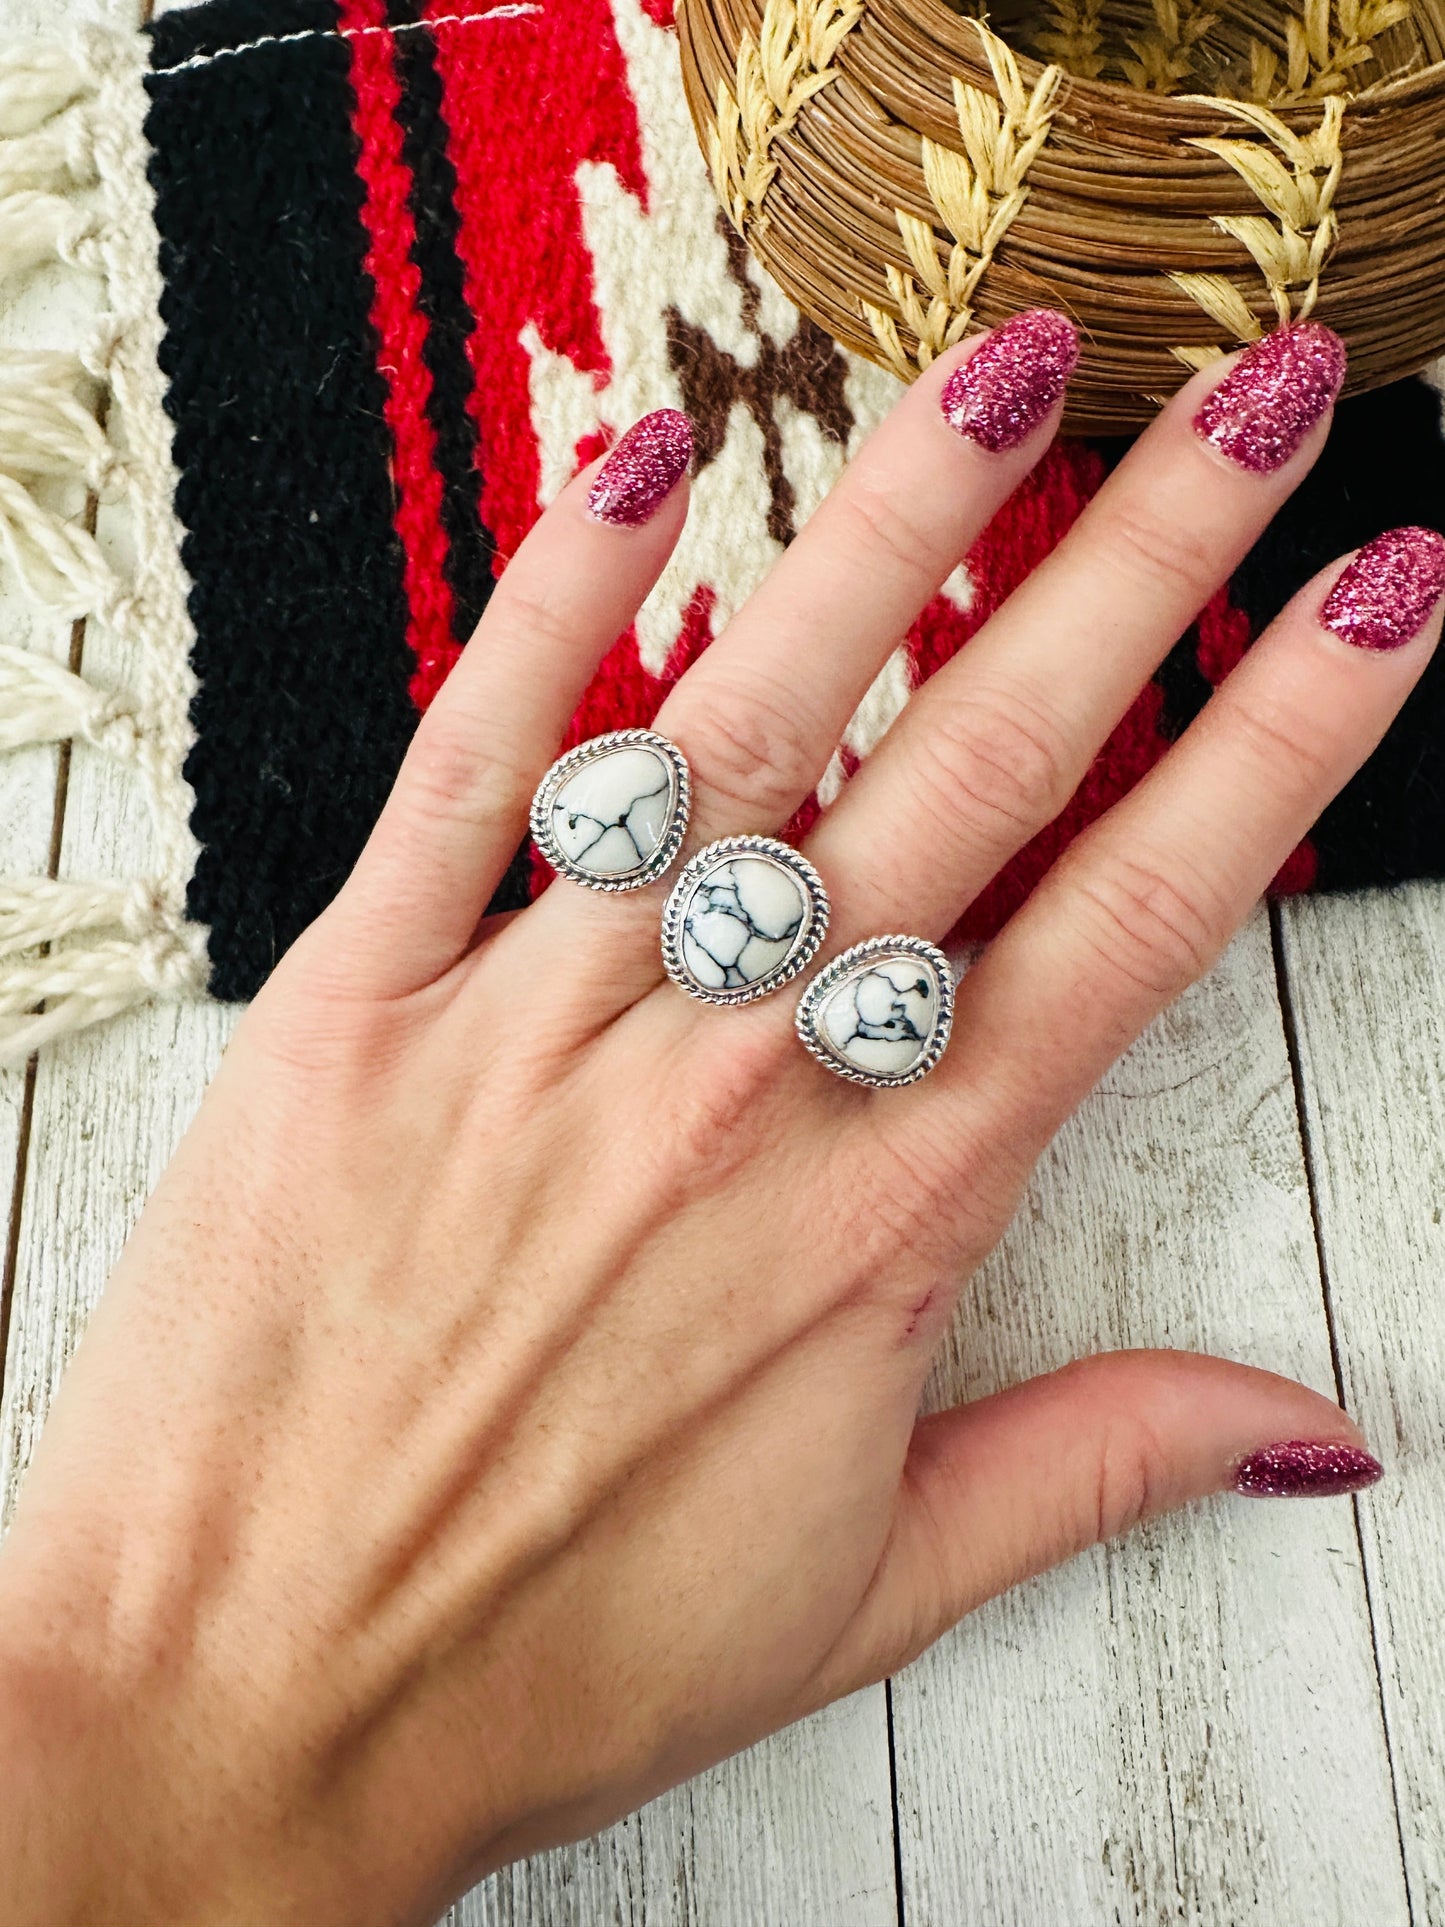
(1234, 1718)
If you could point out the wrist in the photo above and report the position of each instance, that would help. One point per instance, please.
(50, 1828)
(92, 1822)
(111, 1810)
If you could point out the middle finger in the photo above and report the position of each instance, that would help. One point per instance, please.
(759, 716)
(991, 751)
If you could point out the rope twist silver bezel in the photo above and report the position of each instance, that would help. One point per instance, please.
(810, 1006)
(592, 751)
(818, 912)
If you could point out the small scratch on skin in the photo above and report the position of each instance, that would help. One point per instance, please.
(919, 1310)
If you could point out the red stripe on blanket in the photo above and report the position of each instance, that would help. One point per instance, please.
(402, 328)
(522, 241)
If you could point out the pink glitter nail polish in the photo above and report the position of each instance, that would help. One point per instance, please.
(1384, 598)
(1001, 394)
(643, 469)
(1305, 1469)
(1273, 396)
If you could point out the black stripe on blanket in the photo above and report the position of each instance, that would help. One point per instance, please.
(285, 494)
(450, 321)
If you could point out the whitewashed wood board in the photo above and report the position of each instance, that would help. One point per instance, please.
(1367, 980)
(797, 1831)
(1184, 1726)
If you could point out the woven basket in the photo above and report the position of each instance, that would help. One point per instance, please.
(1175, 180)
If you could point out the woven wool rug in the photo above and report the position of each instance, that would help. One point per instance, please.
(379, 275)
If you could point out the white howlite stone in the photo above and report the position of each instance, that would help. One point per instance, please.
(742, 922)
(611, 815)
(881, 1017)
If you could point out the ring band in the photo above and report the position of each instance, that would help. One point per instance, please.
(744, 917)
(881, 1013)
(611, 814)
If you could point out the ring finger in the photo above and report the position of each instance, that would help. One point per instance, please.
(1144, 901)
(762, 712)
(996, 744)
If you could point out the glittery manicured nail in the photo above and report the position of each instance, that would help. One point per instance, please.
(1273, 396)
(1385, 596)
(1306, 1469)
(643, 469)
(999, 396)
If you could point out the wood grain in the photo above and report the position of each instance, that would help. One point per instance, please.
(799, 1831)
(1183, 1726)
(1367, 995)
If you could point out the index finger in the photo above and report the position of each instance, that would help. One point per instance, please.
(762, 712)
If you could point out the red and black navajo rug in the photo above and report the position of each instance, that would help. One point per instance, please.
(411, 263)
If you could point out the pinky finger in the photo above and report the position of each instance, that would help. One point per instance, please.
(459, 807)
(1144, 902)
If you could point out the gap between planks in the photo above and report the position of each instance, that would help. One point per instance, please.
(1289, 1016)
(27, 1101)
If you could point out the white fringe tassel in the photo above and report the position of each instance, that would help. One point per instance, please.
(47, 421)
(41, 910)
(59, 564)
(39, 79)
(74, 953)
(40, 702)
(57, 158)
(36, 227)
(47, 996)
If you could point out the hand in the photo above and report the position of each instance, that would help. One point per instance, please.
(506, 1405)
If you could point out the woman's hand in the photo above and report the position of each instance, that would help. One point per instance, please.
(506, 1405)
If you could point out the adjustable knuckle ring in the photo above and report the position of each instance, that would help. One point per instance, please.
(744, 917)
(881, 1013)
(612, 813)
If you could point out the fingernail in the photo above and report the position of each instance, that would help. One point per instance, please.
(1386, 595)
(643, 469)
(999, 396)
(1273, 396)
(1306, 1469)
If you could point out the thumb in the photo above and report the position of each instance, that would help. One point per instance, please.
(996, 1491)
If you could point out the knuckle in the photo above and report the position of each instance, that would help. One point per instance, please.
(712, 1111)
(460, 771)
(1143, 923)
(1157, 550)
(880, 531)
(754, 747)
(1125, 1490)
(919, 1206)
(520, 619)
(1126, 1442)
(1274, 740)
(998, 757)
(309, 1023)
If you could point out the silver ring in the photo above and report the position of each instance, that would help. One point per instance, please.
(744, 917)
(611, 814)
(881, 1013)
